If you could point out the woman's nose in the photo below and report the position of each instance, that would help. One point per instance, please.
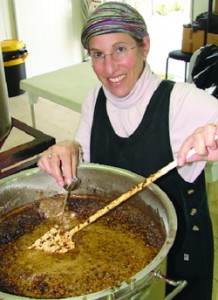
(109, 63)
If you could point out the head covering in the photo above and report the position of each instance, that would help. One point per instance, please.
(112, 17)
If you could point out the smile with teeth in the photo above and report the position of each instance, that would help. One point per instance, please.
(117, 79)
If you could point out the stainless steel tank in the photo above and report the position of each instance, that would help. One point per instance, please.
(5, 119)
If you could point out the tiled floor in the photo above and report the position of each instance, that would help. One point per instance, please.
(61, 123)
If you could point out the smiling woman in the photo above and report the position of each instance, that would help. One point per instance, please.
(135, 120)
(110, 51)
(119, 72)
(160, 14)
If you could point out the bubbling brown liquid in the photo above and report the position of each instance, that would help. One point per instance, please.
(107, 252)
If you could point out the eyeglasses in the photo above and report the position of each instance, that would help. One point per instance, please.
(118, 53)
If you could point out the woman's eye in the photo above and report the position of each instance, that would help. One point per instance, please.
(121, 49)
(98, 54)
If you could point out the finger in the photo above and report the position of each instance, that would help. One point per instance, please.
(70, 163)
(194, 141)
(210, 133)
(44, 164)
(66, 169)
(56, 171)
(199, 143)
(50, 163)
(183, 152)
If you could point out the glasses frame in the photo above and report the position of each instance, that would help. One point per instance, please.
(99, 60)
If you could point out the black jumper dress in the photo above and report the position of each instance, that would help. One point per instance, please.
(144, 152)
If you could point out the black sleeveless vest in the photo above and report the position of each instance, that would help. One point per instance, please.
(144, 152)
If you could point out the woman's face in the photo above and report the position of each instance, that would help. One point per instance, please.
(118, 72)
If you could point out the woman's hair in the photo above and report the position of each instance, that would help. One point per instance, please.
(113, 17)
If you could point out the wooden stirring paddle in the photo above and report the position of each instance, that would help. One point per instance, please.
(55, 242)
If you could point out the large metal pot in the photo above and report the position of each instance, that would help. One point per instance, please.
(5, 119)
(34, 184)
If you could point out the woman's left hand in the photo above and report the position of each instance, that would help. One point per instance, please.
(204, 143)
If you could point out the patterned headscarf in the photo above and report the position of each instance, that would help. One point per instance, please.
(112, 17)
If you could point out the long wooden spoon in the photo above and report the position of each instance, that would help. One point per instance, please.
(53, 241)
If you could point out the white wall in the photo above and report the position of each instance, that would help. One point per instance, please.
(7, 24)
(47, 29)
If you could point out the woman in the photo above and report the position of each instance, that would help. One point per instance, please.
(136, 121)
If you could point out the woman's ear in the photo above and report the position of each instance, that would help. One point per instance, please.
(146, 46)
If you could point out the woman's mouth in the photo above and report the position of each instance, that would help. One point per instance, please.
(117, 79)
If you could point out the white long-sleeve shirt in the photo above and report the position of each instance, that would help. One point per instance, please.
(190, 108)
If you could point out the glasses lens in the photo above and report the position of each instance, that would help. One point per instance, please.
(118, 53)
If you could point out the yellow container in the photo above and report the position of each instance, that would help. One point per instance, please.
(12, 45)
(15, 62)
(14, 54)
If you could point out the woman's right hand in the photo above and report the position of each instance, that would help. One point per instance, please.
(60, 161)
(203, 140)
